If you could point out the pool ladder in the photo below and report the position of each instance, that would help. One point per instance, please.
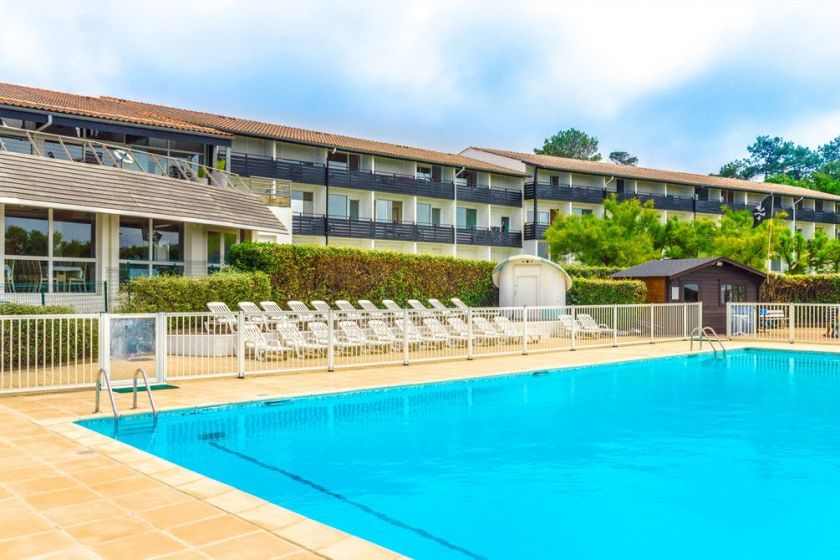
(709, 335)
(140, 372)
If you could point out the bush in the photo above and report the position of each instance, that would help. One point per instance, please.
(586, 271)
(817, 288)
(46, 342)
(595, 291)
(329, 273)
(153, 294)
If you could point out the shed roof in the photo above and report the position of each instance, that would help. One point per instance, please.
(37, 181)
(529, 259)
(670, 268)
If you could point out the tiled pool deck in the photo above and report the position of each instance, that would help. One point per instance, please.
(66, 492)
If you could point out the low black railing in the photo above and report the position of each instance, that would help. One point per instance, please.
(392, 183)
(309, 224)
(535, 231)
(260, 166)
(661, 201)
(360, 228)
(491, 237)
(487, 195)
(826, 217)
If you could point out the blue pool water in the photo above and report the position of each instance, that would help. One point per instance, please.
(690, 457)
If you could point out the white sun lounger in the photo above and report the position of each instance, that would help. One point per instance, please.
(304, 314)
(589, 324)
(222, 317)
(294, 339)
(348, 309)
(436, 304)
(438, 331)
(506, 326)
(321, 332)
(391, 305)
(483, 327)
(321, 306)
(261, 347)
(274, 312)
(380, 332)
(458, 303)
(461, 329)
(354, 334)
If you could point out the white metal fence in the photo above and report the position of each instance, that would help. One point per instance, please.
(59, 351)
(784, 322)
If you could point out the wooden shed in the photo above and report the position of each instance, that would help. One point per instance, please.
(713, 281)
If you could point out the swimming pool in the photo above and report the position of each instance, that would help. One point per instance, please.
(687, 457)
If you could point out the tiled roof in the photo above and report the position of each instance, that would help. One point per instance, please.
(249, 127)
(92, 107)
(673, 267)
(657, 175)
(26, 179)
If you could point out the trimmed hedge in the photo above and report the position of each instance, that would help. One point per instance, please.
(816, 288)
(184, 294)
(586, 271)
(307, 273)
(596, 291)
(46, 342)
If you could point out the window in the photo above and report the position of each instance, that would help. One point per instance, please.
(302, 202)
(505, 223)
(542, 249)
(388, 211)
(542, 218)
(619, 185)
(468, 178)
(554, 180)
(150, 247)
(218, 249)
(424, 172)
(64, 261)
(467, 218)
(344, 161)
(582, 211)
(426, 215)
(818, 206)
(353, 209)
(691, 293)
(730, 293)
(337, 207)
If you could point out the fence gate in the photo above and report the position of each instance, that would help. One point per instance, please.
(129, 342)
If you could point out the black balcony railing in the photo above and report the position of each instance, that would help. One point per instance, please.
(308, 224)
(361, 228)
(487, 195)
(826, 217)
(546, 191)
(260, 166)
(491, 237)
(535, 231)
(661, 201)
(708, 206)
(387, 182)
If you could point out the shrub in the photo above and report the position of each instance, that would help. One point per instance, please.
(595, 291)
(329, 273)
(586, 271)
(46, 342)
(817, 288)
(152, 294)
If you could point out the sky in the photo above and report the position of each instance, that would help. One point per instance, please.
(681, 85)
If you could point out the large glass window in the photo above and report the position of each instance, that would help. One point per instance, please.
(150, 247)
(467, 218)
(302, 202)
(34, 262)
(691, 293)
(337, 206)
(732, 293)
(218, 249)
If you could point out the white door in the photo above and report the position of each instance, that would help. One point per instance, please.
(526, 290)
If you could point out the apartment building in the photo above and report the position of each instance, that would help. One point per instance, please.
(555, 185)
(332, 189)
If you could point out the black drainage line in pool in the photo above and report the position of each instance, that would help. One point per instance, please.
(367, 509)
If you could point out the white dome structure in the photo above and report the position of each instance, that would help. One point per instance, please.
(532, 281)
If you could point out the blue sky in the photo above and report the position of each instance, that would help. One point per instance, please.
(681, 85)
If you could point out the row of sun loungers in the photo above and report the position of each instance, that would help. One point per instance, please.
(304, 332)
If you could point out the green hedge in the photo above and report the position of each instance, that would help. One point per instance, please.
(46, 342)
(152, 294)
(309, 273)
(596, 291)
(586, 271)
(817, 288)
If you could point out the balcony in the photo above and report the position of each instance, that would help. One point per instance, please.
(709, 206)
(392, 183)
(662, 202)
(491, 237)
(361, 228)
(261, 166)
(535, 231)
(487, 195)
(570, 193)
(826, 217)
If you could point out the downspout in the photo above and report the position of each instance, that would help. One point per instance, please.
(455, 202)
(45, 125)
(327, 201)
(536, 214)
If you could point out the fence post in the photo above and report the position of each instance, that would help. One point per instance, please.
(43, 296)
(651, 323)
(685, 321)
(105, 343)
(160, 331)
(525, 330)
(240, 344)
(615, 325)
(791, 323)
(330, 342)
(105, 294)
(469, 334)
(574, 326)
(699, 305)
(406, 322)
(728, 319)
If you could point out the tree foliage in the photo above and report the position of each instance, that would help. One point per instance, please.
(630, 233)
(623, 158)
(783, 161)
(571, 143)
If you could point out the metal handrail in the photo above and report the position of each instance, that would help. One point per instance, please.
(102, 373)
(118, 156)
(141, 371)
(709, 335)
